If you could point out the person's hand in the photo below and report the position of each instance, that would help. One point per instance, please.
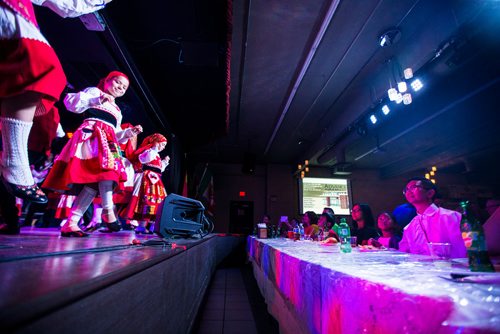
(107, 1)
(374, 243)
(136, 130)
(166, 159)
(106, 98)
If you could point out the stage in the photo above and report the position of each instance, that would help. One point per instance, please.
(108, 282)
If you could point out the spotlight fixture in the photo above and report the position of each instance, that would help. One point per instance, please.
(389, 37)
(373, 119)
(402, 86)
(385, 109)
(408, 73)
(416, 85)
(392, 93)
(407, 98)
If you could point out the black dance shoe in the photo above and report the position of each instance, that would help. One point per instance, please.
(111, 227)
(114, 226)
(29, 193)
(74, 234)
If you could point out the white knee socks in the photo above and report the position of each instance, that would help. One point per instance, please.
(15, 163)
(82, 202)
(106, 192)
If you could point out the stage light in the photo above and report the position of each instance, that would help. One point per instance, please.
(373, 119)
(427, 176)
(416, 85)
(432, 173)
(392, 93)
(399, 98)
(408, 73)
(385, 109)
(407, 98)
(434, 169)
(383, 41)
(402, 87)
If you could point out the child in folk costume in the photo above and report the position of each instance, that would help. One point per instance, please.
(122, 197)
(92, 157)
(149, 190)
(31, 82)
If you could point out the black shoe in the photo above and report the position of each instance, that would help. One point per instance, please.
(111, 227)
(74, 234)
(29, 193)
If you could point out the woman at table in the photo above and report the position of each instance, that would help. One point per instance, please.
(389, 230)
(310, 223)
(363, 223)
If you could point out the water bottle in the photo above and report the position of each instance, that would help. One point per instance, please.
(345, 236)
(296, 233)
(301, 231)
(335, 228)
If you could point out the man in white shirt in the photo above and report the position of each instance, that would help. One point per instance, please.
(432, 223)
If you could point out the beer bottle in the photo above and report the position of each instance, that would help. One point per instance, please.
(473, 236)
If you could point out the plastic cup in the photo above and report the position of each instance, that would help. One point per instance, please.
(354, 241)
(440, 253)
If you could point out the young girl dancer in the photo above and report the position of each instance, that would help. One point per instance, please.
(92, 157)
(149, 190)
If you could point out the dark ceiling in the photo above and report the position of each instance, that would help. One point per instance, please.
(304, 77)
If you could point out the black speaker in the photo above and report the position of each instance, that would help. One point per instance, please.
(180, 216)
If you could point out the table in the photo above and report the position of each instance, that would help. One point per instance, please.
(311, 288)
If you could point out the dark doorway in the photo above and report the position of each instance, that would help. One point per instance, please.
(241, 217)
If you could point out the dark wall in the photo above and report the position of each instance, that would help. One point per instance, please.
(274, 190)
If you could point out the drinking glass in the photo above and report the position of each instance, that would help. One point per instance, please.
(354, 241)
(440, 253)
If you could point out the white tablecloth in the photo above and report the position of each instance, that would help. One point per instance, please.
(311, 288)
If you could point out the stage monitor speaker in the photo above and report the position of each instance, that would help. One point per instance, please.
(180, 216)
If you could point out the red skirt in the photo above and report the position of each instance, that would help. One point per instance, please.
(28, 65)
(91, 155)
(149, 192)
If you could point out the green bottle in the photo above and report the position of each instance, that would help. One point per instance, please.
(345, 236)
(335, 228)
(475, 242)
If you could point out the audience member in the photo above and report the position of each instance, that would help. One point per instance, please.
(328, 210)
(432, 224)
(325, 223)
(403, 214)
(389, 230)
(310, 222)
(363, 223)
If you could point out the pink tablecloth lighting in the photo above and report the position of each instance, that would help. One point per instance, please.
(310, 288)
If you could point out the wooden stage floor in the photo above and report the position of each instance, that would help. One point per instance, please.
(42, 273)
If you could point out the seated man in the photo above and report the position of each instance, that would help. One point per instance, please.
(432, 224)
